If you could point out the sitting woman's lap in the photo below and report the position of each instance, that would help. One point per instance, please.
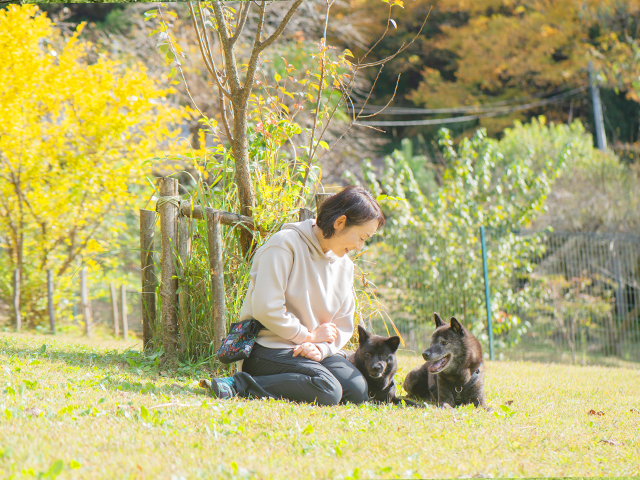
(276, 373)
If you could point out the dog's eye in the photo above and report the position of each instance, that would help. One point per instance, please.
(443, 343)
(367, 355)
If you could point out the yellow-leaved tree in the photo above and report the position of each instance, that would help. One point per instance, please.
(75, 129)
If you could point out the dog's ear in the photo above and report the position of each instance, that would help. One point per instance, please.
(455, 325)
(393, 343)
(363, 335)
(439, 322)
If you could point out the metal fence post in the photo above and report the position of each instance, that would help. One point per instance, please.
(486, 292)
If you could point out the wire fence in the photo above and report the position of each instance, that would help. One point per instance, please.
(574, 298)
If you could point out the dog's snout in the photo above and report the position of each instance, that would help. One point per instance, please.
(426, 355)
(376, 368)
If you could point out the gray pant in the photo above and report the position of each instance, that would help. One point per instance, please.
(276, 373)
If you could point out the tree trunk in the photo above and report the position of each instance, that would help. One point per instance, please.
(84, 298)
(16, 299)
(240, 148)
(125, 322)
(114, 310)
(52, 320)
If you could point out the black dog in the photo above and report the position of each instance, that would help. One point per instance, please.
(453, 374)
(376, 359)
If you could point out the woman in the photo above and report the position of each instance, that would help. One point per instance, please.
(301, 290)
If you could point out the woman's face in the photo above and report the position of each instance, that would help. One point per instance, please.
(351, 238)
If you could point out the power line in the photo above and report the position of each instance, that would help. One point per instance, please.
(486, 107)
(488, 113)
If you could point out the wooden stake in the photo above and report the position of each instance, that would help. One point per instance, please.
(125, 323)
(114, 310)
(184, 252)
(320, 199)
(168, 187)
(214, 231)
(52, 320)
(304, 214)
(149, 278)
(84, 302)
(16, 299)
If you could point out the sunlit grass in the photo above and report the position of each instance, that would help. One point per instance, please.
(98, 412)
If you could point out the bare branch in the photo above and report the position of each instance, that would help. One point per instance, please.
(242, 19)
(400, 50)
(358, 116)
(177, 63)
(255, 53)
(223, 113)
(209, 64)
(207, 47)
(388, 103)
(231, 70)
(320, 85)
(282, 26)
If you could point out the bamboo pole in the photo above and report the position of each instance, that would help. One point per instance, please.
(226, 218)
(184, 253)
(168, 187)
(16, 299)
(52, 320)
(214, 239)
(149, 278)
(125, 323)
(114, 310)
(84, 299)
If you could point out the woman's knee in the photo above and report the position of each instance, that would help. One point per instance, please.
(329, 390)
(355, 390)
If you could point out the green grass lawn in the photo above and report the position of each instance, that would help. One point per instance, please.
(91, 410)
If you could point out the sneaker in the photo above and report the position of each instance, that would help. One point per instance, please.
(220, 387)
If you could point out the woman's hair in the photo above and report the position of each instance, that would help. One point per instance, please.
(353, 201)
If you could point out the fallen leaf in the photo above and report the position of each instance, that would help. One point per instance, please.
(508, 402)
(593, 412)
(34, 411)
(611, 442)
(634, 410)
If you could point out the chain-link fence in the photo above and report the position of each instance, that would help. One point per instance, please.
(570, 297)
(584, 300)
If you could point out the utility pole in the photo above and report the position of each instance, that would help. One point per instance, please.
(601, 139)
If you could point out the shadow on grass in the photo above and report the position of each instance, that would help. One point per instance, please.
(148, 366)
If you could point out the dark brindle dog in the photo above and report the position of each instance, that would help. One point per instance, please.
(453, 374)
(376, 359)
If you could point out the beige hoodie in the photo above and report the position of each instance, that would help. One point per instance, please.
(294, 287)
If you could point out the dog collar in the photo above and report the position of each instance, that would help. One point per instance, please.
(470, 383)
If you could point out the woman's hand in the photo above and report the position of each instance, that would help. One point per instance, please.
(327, 332)
(308, 350)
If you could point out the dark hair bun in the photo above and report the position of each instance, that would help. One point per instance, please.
(355, 203)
